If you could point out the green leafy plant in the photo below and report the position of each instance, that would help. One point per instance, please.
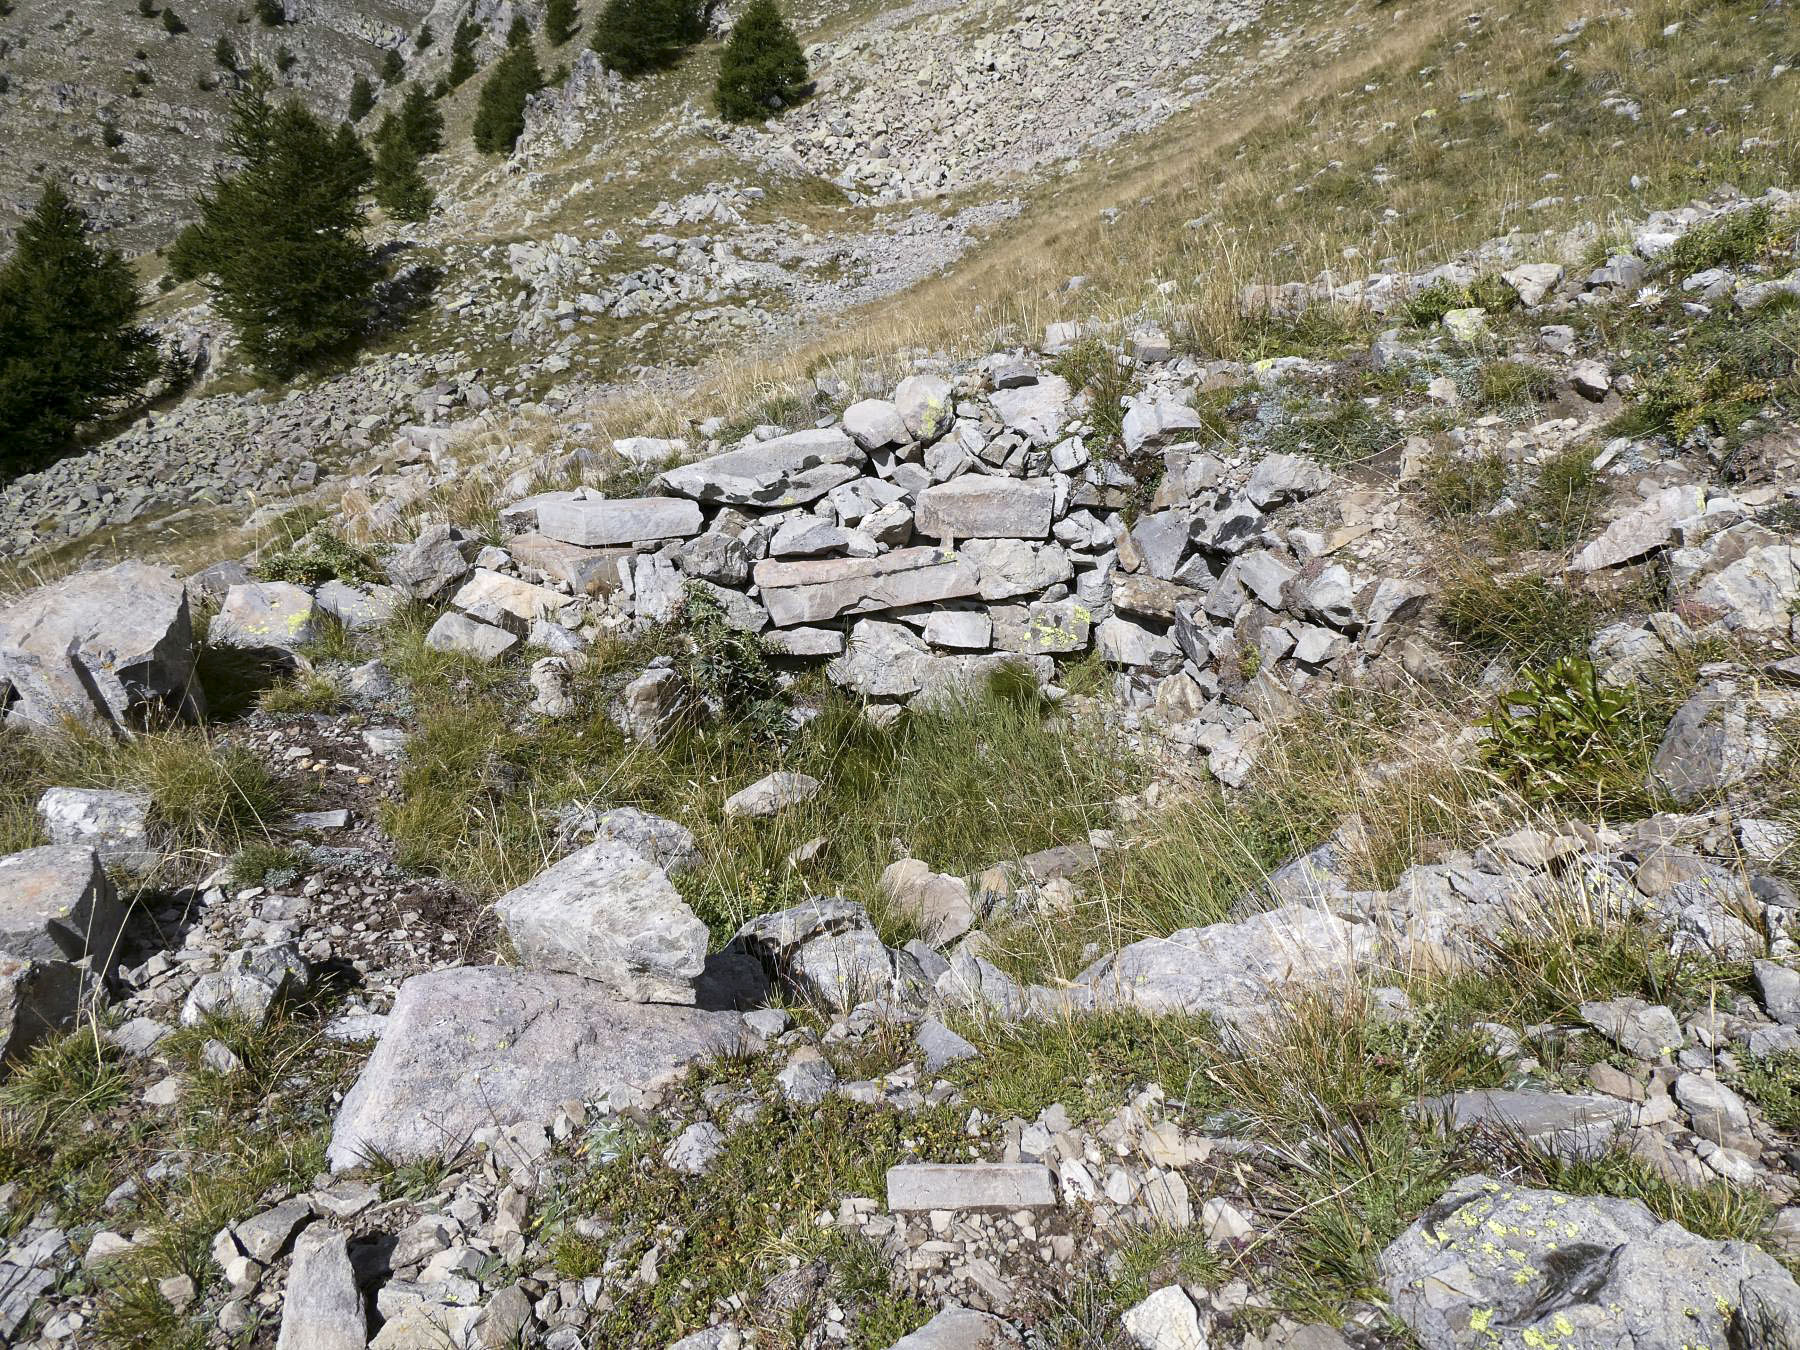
(726, 666)
(319, 556)
(1561, 732)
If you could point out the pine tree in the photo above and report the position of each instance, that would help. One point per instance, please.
(500, 112)
(518, 31)
(70, 344)
(425, 38)
(400, 187)
(637, 36)
(362, 98)
(224, 54)
(271, 13)
(562, 20)
(421, 122)
(393, 67)
(762, 69)
(280, 242)
(462, 52)
(172, 24)
(285, 60)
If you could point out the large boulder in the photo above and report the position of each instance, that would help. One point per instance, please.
(1724, 735)
(57, 903)
(609, 914)
(428, 567)
(958, 1328)
(477, 1047)
(322, 1309)
(1491, 1264)
(112, 648)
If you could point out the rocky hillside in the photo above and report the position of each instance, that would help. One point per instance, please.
(737, 791)
(131, 116)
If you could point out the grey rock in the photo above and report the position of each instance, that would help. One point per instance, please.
(1237, 972)
(715, 556)
(323, 1307)
(274, 616)
(247, 986)
(1779, 988)
(359, 609)
(37, 998)
(960, 629)
(112, 648)
(1157, 421)
(1648, 1031)
(116, 825)
(669, 845)
(808, 1078)
(1162, 541)
(649, 705)
(1719, 738)
(826, 950)
(925, 405)
(957, 1328)
(1717, 1113)
(609, 914)
(1278, 479)
(1125, 643)
(786, 471)
(1642, 530)
(1036, 411)
(816, 591)
(772, 795)
(459, 634)
(20, 1287)
(57, 903)
(1166, 1320)
(1570, 1125)
(882, 660)
(939, 905)
(1577, 1271)
(487, 1046)
(977, 506)
(696, 1148)
(430, 566)
(601, 521)
(941, 1046)
(1016, 567)
(586, 571)
(875, 424)
(916, 1187)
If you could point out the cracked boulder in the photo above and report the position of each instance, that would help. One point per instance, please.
(826, 950)
(112, 648)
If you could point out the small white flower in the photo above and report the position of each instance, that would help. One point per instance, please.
(1649, 297)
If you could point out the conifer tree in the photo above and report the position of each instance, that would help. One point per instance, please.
(271, 13)
(171, 22)
(279, 243)
(462, 52)
(400, 187)
(393, 67)
(562, 20)
(634, 37)
(70, 344)
(762, 69)
(518, 31)
(421, 122)
(362, 98)
(224, 54)
(425, 38)
(500, 112)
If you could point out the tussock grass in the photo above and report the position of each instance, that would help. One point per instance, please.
(207, 797)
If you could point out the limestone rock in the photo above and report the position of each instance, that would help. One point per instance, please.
(1577, 1271)
(772, 795)
(819, 590)
(274, 616)
(57, 903)
(116, 825)
(609, 914)
(601, 521)
(786, 471)
(105, 648)
(474, 1047)
(977, 506)
(958, 1328)
(322, 1308)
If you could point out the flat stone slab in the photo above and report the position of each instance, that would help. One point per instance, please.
(978, 506)
(820, 589)
(478, 1047)
(1492, 1265)
(116, 825)
(57, 903)
(1571, 1124)
(266, 616)
(598, 521)
(487, 592)
(913, 1187)
(609, 913)
(786, 471)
